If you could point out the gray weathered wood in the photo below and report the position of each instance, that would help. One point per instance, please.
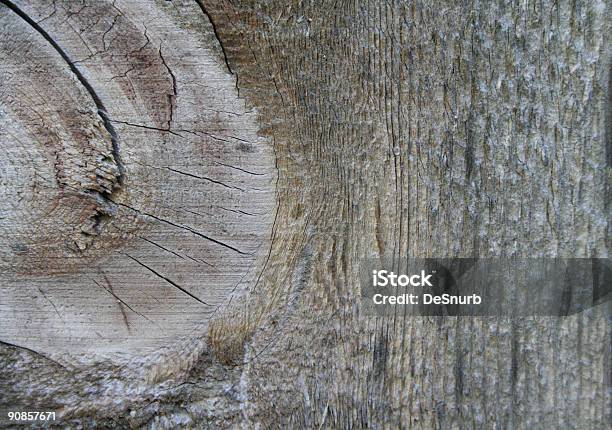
(138, 193)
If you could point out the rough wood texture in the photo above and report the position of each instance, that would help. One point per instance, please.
(138, 193)
(398, 128)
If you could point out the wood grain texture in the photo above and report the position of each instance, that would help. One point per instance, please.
(426, 129)
(402, 128)
(137, 193)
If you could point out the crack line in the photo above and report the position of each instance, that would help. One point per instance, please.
(99, 105)
(197, 233)
(110, 291)
(238, 168)
(204, 178)
(214, 28)
(170, 281)
(171, 98)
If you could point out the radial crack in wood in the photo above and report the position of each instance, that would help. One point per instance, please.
(120, 122)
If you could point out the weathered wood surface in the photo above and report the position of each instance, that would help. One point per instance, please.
(403, 128)
(138, 193)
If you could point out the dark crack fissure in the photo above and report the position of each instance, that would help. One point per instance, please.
(204, 178)
(168, 280)
(174, 91)
(31, 351)
(110, 291)
(238, 168)
(197, 233)
(120, 302)
(147, 127)
(214, 28)
(98, 102)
